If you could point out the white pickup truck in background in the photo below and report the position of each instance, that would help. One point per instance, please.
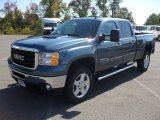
(50, 24)
(157, 33)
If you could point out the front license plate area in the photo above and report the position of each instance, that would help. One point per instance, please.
(21, 83)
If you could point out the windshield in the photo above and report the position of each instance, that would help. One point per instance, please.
(79, 28)
(142, 28)
(50, 24)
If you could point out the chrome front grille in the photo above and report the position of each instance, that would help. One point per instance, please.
(24, 57)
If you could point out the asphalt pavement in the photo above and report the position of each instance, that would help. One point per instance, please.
(129, 95)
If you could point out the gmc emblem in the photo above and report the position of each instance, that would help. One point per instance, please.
(19, 57)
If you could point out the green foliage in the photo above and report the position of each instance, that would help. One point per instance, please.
(125, 14)
(94, 12)
(115, 7)
(10, 31)
(31, 16)
(80, 7)
(30, 22)
(27, 31)
(102, 5)
(38, 28)
(18, 22)
(66, 13)
(1, 26)
(153, 19)
(47, 7)
(52, 8)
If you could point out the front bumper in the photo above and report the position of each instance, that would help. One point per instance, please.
(53, 82)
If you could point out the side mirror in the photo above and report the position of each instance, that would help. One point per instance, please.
(115, 35)
(102, 37)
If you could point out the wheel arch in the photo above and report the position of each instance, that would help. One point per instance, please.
(148, 48)
(86, 61)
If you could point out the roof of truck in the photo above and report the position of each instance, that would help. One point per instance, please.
(101, 18)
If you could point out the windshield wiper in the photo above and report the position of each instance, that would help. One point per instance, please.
(76, 35)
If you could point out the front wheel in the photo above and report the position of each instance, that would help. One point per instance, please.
(79, 84)
(143, 63)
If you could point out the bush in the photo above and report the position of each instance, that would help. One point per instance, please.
(10, 31)
(27, 31)
(38, 28)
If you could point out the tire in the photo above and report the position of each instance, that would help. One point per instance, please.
(158, 38)
(143, 63)
(79, 84)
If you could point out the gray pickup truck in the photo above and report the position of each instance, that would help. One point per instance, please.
(77, 53)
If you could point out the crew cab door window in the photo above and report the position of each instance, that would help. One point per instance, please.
(107, 27)
(125, 29)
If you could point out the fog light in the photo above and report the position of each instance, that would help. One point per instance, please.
(48, 87)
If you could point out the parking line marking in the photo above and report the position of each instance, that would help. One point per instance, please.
(147, 88)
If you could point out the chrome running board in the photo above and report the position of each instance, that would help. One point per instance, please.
(117, 71)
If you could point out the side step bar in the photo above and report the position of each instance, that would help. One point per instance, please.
(115, 72)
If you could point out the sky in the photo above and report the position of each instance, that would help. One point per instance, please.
(141, 9)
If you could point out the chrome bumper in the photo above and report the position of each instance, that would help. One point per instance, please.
(54, 82)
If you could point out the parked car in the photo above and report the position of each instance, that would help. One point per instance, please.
(142, 29)
(50, 24)
(78, 53)
(157, 33)
(152, 27)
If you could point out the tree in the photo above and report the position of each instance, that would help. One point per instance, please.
(80, 7)
(52, 8)
(125, 14)
(102, 5)
(47, 7)
(57, 8)
(8, 20)
(31, 15)
(153, 19)
(1, 25)
(114, 5)
(9, 7)
(18, 22)
(66, 12)
(38, 28)
(94, 12)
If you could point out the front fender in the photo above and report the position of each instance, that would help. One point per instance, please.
(71, 55)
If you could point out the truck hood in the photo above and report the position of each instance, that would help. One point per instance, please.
(53, 43)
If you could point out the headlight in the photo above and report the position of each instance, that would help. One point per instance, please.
(50, 59)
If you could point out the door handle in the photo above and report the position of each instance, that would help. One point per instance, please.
(132, 42)
(119, 44)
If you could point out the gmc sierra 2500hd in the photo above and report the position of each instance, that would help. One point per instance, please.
(79, 52)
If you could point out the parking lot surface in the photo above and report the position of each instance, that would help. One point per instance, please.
(129, 95)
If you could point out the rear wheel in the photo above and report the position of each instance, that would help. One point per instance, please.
(143, 63)
(159, 38)
(79, 84)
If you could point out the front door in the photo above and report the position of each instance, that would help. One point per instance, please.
(108, 53)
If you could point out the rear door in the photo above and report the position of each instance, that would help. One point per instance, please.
(128, 41)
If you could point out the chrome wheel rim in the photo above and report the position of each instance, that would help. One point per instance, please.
(146, 61)
(81, 85)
